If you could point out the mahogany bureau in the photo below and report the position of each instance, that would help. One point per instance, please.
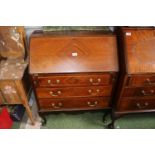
(73, 70)
(136, 89)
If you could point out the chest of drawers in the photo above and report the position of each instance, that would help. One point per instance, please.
(73, 71)
(136, 88)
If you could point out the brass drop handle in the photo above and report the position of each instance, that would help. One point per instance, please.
(91, 92)
(91, 80)
(56, 106)
(99, 80)
(92, 104)
(57, 81)
(55, 94)
(149, 81)
(147, 94)
(140, 106)
(48, 81)
(95, 83)
(97, 90)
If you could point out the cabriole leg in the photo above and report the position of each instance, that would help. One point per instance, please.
(43, 119)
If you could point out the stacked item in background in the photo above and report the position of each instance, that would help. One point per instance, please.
(14, 80)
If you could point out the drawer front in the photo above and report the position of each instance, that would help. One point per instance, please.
(73, 104)
(136, 104)
(73, 80)
(73, 92)
(142, 80)
(9, 92)
(141, 91)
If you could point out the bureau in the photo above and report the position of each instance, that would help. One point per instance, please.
(73, 70)
(136, 87)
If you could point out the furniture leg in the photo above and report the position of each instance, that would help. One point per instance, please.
(114, 117)
(44, 121)
(106, 113)
(25, 101)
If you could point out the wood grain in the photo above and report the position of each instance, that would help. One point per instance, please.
(73, 92)
(73, 71)
(68, 54)
(73, 104)
(139, 48)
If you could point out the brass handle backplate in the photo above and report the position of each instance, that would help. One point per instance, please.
(142, 106)
(147, 94)
(55, 94)
(92, 104)
(96, 82)
(93, 92)
(149, 81)
(56, 106)
(49, 81)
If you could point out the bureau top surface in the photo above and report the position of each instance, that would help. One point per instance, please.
(139, 49)
(73, 52)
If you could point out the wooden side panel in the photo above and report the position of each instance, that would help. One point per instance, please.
(1, 98)
(9, 91)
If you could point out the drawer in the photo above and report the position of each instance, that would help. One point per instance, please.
(136, 104)
(142, 80)
(140, 91)
(73, 104)
(9, 92)
(73, 80)
(73, 92)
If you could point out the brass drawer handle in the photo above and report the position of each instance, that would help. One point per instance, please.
(93, 93)
(99, 80)
(56, 106)
(91, 80)
(57, 81)
(147, 94)
(49, 81)
(55, 94)
(90, 91)
(35, 82)
(95, 83)
(92, 104)
(140, 106)
(98, 90)
(149, 81)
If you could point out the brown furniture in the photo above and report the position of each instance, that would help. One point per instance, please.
(16, 90)
(73, 70)
(136, 89)
(15, 84)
